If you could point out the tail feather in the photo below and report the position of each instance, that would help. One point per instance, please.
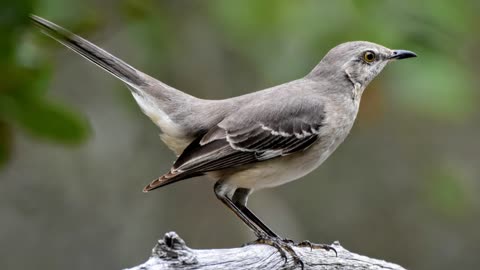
(167, 179)
(90, 51)
(157, 100)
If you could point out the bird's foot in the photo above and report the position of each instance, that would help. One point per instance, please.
(284, 247)
(312, 246)
(289, 241)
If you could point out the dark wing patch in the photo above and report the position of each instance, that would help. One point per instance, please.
(230, 150)
(214, 155)
(282, 139)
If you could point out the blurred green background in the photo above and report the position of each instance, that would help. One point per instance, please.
(76, 151)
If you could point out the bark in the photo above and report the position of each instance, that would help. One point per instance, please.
(171, 252)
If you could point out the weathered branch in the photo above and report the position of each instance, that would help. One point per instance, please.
(171, 252)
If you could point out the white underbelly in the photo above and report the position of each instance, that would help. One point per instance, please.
(282, 170)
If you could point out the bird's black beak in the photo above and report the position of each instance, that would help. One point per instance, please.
(402, 54)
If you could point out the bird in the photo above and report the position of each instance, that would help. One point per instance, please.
(258, 140)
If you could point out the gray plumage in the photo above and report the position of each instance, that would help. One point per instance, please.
(258, 140)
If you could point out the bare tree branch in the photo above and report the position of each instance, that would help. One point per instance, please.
(171, 252)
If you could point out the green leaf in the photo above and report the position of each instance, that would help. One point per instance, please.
(45, 119)
(5, 142)
(13, 18)
(25, 82)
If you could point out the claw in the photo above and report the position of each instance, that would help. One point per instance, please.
(288, 241)
(272, 242)
(312, 246)
(283, 246)
(305, 243)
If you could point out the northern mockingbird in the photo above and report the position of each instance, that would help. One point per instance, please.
(259, 140)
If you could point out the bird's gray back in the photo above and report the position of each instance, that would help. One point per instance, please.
(291, 95)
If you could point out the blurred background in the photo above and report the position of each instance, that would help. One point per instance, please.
(76, 151)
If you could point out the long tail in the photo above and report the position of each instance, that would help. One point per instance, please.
(166, 106)
(156, 99)
(93, 53)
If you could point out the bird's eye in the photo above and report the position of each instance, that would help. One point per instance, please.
(369, 56)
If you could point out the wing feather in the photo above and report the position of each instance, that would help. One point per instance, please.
(233, 143)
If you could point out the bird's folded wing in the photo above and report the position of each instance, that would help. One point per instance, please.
(240, 139)
(247, 136)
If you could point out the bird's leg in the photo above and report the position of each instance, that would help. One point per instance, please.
(222, 196)
(239, 199)
(263, 238)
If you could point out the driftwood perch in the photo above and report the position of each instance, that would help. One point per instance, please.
(171, 252)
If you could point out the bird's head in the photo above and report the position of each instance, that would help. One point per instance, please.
(357, 61)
